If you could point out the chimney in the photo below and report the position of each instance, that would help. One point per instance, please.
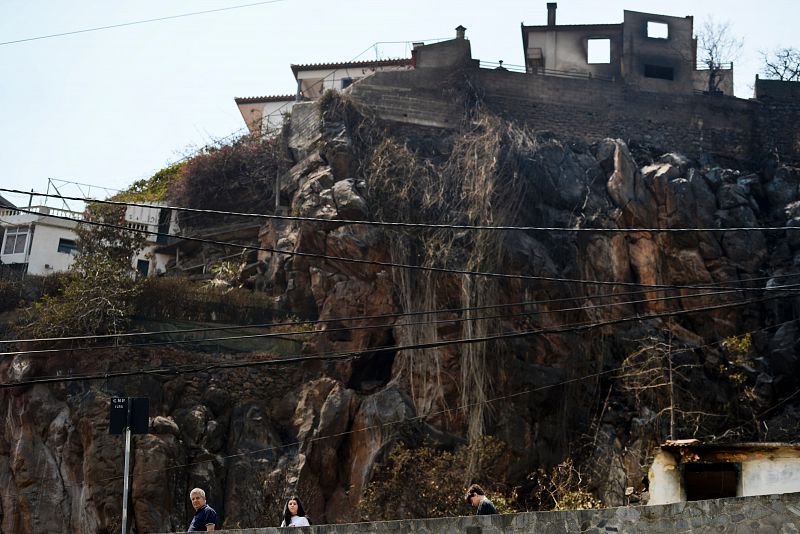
(551, 13)
(460, 32)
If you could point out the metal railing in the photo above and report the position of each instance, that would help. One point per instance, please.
(585, 75)
(704, 65)
(502, 65)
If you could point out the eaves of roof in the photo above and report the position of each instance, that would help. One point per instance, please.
(352, 64)
(263, 99)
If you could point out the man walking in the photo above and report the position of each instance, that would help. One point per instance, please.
(477, 497)
(205, 518)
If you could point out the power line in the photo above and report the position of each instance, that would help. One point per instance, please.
(133, 23)
(439, 412)
(186, 369)
(440, 270)
(285, 335)
(400, 224)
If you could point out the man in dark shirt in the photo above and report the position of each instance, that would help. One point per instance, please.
(205, 518)
(477, 497)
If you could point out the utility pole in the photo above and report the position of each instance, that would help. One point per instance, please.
(128, 416)
(127, 468)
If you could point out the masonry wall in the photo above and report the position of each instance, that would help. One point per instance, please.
(594, 109)
(770, 513)
(779, 120)
(586, 109)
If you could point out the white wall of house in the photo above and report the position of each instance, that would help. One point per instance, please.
(665, 480)
(48, 253)
(272, 116)
(770, 475)
(47, 240)
(771, 470)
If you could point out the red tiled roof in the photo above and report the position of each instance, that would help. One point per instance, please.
(261, 99)
(352, 64)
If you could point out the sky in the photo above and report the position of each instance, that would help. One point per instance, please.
(105, 108)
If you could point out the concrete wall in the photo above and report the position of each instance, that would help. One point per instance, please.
(565, 48)
(779, 119)
(675, 52)
(44, 256)
(724, 79)
(665, 480)
(773, 513)
(762, 476)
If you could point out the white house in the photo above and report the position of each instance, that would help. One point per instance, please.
(688, 470)
(264, 113)
(41, 240)
(36, 242)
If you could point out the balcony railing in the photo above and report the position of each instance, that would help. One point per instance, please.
(41, 210)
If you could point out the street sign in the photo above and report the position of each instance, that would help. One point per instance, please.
(138, 420)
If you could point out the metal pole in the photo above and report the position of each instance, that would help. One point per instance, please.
(125, 477)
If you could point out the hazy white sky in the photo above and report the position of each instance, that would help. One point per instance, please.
(113, 106)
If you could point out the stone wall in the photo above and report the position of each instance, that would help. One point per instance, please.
(592, 109)
(779, 119)
(766, 513)
(723, 127)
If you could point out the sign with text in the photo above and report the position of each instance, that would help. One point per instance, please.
(129, 412)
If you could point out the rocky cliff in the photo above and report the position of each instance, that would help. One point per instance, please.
(539, 337)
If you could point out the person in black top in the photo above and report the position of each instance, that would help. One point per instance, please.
(477, 497)
(205, 518)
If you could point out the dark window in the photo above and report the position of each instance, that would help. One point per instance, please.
(657, 30)
(164, 217)
(657, 71)
(16, 239)
(67, 246)
(143, 266)
(347, 82)
(710, 481)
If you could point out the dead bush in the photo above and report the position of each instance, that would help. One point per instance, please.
(239, 177)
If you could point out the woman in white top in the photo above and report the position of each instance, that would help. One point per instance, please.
(293, 514)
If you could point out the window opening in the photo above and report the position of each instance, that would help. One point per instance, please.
(710, 481)
(16, 239)
(67, 246)
(347, 82)
(164, 218)
(599, 51)
(657, 30)
(143, 266)
(657, 71)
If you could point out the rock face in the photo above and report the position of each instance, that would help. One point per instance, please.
(576, 307)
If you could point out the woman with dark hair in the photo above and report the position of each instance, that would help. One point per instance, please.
(293, 514)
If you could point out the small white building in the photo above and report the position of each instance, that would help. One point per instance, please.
(41, 240)
(688, 470)
(265, 113)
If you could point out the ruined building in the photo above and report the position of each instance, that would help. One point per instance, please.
(647, 52)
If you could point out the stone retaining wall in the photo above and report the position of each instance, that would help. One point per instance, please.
(590, 110)
(766, 514)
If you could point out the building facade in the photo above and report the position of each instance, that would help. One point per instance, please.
(647, 51)
(40, 240)
(688, 470)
